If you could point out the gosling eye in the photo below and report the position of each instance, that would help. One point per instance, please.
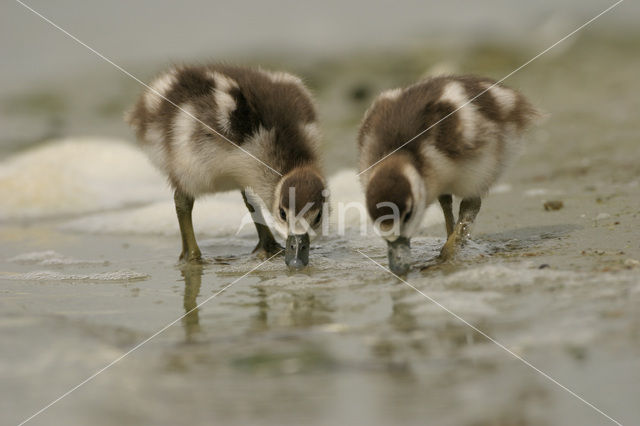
(407, 216)
(317, 219)
(283, 214)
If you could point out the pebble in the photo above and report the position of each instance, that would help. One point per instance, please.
(553, 205)
(631, 263)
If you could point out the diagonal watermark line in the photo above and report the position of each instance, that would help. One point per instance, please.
(115, 361)
(500, 345)
(494, 84)
(154, 91)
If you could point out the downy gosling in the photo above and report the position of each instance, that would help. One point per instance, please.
(215, 128)
(470, 140)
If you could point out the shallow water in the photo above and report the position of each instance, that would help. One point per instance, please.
(88, 270)
(344, 343)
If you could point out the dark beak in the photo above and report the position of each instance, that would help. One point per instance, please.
(296, 253)
(399, 255)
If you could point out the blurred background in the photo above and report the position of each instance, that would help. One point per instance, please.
(89, 239)
(50, 86)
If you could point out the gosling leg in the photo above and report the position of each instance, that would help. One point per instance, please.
(469, 208)
(184, 207)
(267, 245)
(446, 202)
(192, 275)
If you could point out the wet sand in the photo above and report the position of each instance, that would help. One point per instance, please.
(346, 343)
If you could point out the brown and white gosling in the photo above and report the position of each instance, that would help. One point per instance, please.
(461, 155)
(219, 128)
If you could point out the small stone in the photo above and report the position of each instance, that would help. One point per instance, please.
(553, 205)
(544, 266)
(360, 92)
(631, 263)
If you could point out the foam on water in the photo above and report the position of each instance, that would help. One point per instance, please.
(217, 216)
(121, 275)
(74, 176)
(51, 258)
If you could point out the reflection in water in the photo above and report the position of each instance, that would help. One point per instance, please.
(307, 310)
(192, 275)
(395, 353)
(406, 341)
(277, 309)
(271, 308)
(402, 318)
(260, 319)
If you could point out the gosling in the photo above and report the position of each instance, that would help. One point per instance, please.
(472, 136)
(216, 128)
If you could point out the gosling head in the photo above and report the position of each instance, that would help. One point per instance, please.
(396, 201)
(298, 210)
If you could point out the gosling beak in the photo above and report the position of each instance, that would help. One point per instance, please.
(296, 253)
(399, 255)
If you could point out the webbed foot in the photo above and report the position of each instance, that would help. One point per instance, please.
(191, 256)
(266, 250)
(455, 241)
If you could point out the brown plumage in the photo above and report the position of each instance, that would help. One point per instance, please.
(401, 114)
(213, 128)
(443, 136)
